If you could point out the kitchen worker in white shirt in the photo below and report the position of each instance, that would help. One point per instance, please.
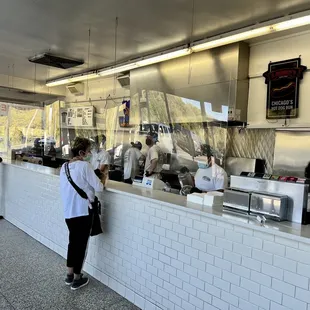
(131, 161)
(154, 159)
(77, 209)
(100, 159)
(209, 177)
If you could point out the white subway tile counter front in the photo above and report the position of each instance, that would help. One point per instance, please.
(162, 253)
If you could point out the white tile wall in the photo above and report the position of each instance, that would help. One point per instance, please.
(161, 257)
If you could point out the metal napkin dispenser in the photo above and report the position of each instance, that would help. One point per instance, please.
(269, 205)
(236, 199)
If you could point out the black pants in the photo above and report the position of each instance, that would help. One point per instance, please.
(79, 231)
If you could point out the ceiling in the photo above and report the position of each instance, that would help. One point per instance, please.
(30, 27)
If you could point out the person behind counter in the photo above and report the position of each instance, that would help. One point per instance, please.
(154, 159)
(209, 176)
(77, 213)
(131, 162)
(100, 159)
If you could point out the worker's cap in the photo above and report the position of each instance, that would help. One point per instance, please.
(137, 144)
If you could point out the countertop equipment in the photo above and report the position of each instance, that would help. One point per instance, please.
(266, 204)
(296, 193)
(237, 200)
(270, 205)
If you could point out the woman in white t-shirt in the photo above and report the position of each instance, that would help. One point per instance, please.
(76, 208)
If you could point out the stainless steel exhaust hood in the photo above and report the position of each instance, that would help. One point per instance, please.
(218, 76)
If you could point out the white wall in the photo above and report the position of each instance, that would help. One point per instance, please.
(271, 51)
(100, 89)
(165, 257)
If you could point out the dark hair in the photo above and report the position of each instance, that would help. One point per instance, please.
(80, 144)
(207, 150)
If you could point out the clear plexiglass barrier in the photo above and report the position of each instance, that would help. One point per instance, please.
(184, 129)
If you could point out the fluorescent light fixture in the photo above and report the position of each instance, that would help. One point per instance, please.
(142, 62)
(164, 56)
(292, 23)
(237, 37)
(118, 69)
(57, 82)
(72, 79)
(253, 32)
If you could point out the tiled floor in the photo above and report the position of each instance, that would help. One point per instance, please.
(31, 278)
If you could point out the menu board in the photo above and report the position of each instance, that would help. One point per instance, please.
(77, 117)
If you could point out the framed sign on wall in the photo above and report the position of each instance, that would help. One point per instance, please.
(282, 79)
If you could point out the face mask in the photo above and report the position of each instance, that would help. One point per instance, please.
(87, 157)
(202, 165)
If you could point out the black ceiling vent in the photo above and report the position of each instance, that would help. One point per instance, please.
(55, 61)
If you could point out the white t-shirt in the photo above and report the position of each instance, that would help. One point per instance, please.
(84, 177)
(211, 179)
(100, 158)
(131, 163)
(154, 152)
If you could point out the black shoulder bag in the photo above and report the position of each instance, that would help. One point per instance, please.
(96, 205)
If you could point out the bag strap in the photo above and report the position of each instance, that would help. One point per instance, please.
(79, 190)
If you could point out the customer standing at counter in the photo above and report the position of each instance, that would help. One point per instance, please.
(131, 161)
(209, 176)
(154, 159)
(77, 209)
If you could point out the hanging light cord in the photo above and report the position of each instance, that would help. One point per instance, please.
(115, 52)
(191, 41)
(88, 64)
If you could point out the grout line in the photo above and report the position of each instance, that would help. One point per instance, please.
(7, 300)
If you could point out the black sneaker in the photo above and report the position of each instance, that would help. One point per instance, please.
(79, 283)
(69, 279)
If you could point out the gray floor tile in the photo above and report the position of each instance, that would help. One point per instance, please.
(123, 305)
(32, 278)
(4, 304)
(18, 270)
